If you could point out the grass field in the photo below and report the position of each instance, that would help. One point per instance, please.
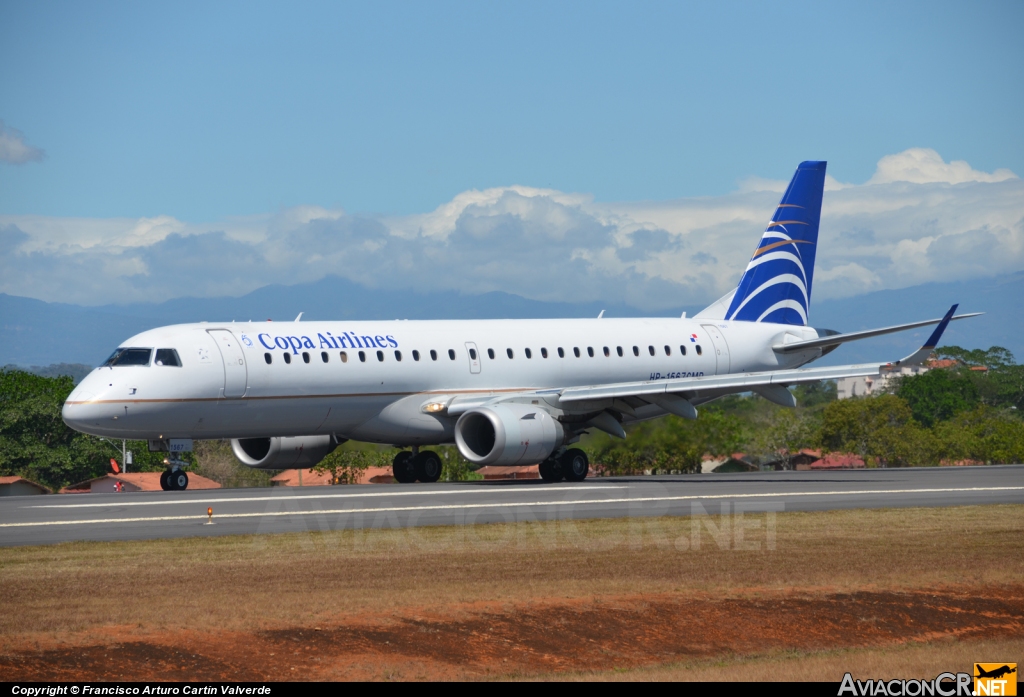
(629, 598)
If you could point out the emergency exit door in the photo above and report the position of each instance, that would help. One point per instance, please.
(474, 357)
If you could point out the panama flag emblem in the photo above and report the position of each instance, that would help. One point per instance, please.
(693, 338)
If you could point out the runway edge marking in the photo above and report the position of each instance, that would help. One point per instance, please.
(304, 497)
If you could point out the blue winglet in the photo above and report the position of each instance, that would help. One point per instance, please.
(933, 340)
(921, 355)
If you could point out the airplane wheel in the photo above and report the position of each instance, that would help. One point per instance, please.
(550, 470)
(428, 466)
(403, 468)
(178, 480)
(575, 465)
(165, 480)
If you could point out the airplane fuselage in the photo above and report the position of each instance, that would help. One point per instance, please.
(369, 380)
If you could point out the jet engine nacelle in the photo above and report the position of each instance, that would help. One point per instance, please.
(508, 434)
(298, 452)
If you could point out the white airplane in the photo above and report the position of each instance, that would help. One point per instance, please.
(506, 392)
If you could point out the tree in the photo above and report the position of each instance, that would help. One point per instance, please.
(346, 465)
(813, 394)
(994, 358)
(36, 444)
(670, 443)
(1000, 384)
(937, 395)
(984, 434)
(882, 428)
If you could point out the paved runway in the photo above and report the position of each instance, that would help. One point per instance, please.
(32, 520)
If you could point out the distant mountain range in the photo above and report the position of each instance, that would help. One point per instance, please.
(41, 333)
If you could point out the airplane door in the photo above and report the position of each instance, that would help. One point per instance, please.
(721, 348)
(235, 374)
(474, 357)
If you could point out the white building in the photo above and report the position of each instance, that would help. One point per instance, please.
(879, 384)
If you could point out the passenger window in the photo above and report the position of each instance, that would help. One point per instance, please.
(305, 356)
(543, 352)
(288, 358)
(433, 355)
(607, 352)
(362, 356)
(324, 357)
(451, 354)
(415, 355)
(682, 349)
(668, 350)
(561, 353)
(529, 354)
(509, 353)
(167, 357)
(650, 349)
(490, 354)
(590, 351)
(699, 352)
(472, 353)
(380, 356)
(129, 356)
(398, 356)
(636, 350)
(344, 357)
(618, 350)
(268, 358)
(576, 350)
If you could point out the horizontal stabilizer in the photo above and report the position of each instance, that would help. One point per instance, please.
(836, 339)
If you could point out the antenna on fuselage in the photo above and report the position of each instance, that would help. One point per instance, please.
(600, 314)
(299, 317)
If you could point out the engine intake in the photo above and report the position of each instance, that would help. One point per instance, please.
(508, 434)
(282, 453)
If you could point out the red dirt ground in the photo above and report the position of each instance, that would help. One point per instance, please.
(506, 639)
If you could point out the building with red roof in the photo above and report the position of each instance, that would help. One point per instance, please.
(18, 486)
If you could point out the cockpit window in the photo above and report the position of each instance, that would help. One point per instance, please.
(129, 356)
(167, 357)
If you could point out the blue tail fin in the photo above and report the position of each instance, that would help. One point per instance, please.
(776, 287)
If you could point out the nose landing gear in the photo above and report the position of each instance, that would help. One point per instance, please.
(174, 478)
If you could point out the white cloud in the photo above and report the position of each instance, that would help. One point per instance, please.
(539, 243)
(13, 148)
(925, 166)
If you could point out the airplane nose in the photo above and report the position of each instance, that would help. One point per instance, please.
(73, 412)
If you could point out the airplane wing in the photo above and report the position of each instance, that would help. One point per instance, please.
(770, 384)
(677, 395)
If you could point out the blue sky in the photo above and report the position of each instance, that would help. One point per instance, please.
(206, 110)
(554, 150)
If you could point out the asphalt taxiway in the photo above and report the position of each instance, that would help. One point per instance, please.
(35, 520)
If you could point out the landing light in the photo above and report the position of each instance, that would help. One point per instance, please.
(434, 407)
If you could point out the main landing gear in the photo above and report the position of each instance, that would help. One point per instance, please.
(174, 478)
(572, 465)
(424, 466)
